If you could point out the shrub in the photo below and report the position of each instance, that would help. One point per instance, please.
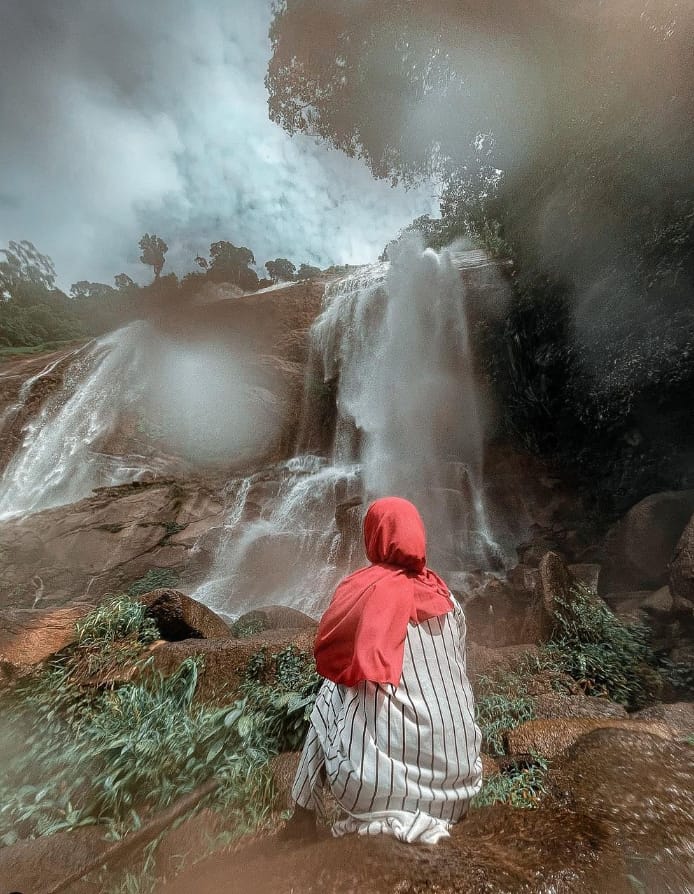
(502, 703)
(100, 737)
(518, 786)
(605, 655)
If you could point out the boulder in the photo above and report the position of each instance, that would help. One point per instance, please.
(682, 563)
(283, 769)
(639, 548)
(548, 738)
(586, 573)
(679, 716)
(104, 543)
(180, 617)
(30, 636)
(39, 865)
(274, 617)
(640, 787)
(225, 660)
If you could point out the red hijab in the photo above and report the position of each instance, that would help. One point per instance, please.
(361, 636)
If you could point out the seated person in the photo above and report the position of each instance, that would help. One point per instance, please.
(392, 733)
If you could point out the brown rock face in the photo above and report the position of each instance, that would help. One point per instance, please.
(640, 787)
(103, 543)
(682, 566)
(548, 738)
(495, 849)
(180, 617)
(39, 865)
(640, 547)
(30, 636)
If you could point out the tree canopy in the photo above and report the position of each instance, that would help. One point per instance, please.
(280, 269)
(153, 250)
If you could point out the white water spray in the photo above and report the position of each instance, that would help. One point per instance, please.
(394, 340)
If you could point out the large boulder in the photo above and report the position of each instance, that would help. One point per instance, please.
(104, 543)
(180, 617)
(679, 716)
(30, 636)
(225, 660)
(640, 787)
(682, 564)
(39, 865)
(548, 738)
(639, 548)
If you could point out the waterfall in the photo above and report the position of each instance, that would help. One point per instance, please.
(392, 346)
(60, 459)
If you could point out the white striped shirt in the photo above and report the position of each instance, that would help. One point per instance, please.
(402, 751)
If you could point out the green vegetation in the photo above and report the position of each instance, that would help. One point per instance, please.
(502, 703)
(522, 787)
(606, 656)
(99, 737)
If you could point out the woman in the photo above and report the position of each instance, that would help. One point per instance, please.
(392, 732)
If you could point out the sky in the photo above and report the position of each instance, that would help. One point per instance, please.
(119, 117)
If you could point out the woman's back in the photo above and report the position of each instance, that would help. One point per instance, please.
(414, 747)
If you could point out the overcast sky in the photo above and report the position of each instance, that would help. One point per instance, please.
(122, 116)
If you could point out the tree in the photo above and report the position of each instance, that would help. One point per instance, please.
(153, 250)
(280, 269)
(123, 282)
(85, 289)
(306, 271)
(24, 265)
(230, 263)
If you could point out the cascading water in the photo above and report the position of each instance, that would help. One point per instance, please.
(392, 344)
(60, 459)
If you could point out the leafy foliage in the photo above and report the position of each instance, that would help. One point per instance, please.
(280, 269)
(502, 703)
(153, 250)
(522, 787)
(85, 745)
(602, 653)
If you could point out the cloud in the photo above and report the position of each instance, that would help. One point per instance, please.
(121, 118)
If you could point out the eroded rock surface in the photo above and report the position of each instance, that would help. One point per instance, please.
(106, 542)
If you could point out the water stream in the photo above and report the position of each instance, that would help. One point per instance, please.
(392, 345)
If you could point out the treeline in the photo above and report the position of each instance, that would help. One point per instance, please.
(33, 312)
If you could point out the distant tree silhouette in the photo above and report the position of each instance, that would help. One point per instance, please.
(230, 263)
(306, 271)
(280, 269)
(85, 289)
(123, 282)
(153, 250)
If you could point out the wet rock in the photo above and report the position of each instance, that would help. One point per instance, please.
(640, 787)
(103, 543)
(679, 716)
(548, 738)
(225, 660)
(37, 866)
(586, 573)
(275, 617)
(30, 636)
(496, 849)
(682, 564)
(640, 546)
(531, 553)
(180, 617)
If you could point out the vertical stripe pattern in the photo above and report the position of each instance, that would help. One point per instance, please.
(412, 749)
